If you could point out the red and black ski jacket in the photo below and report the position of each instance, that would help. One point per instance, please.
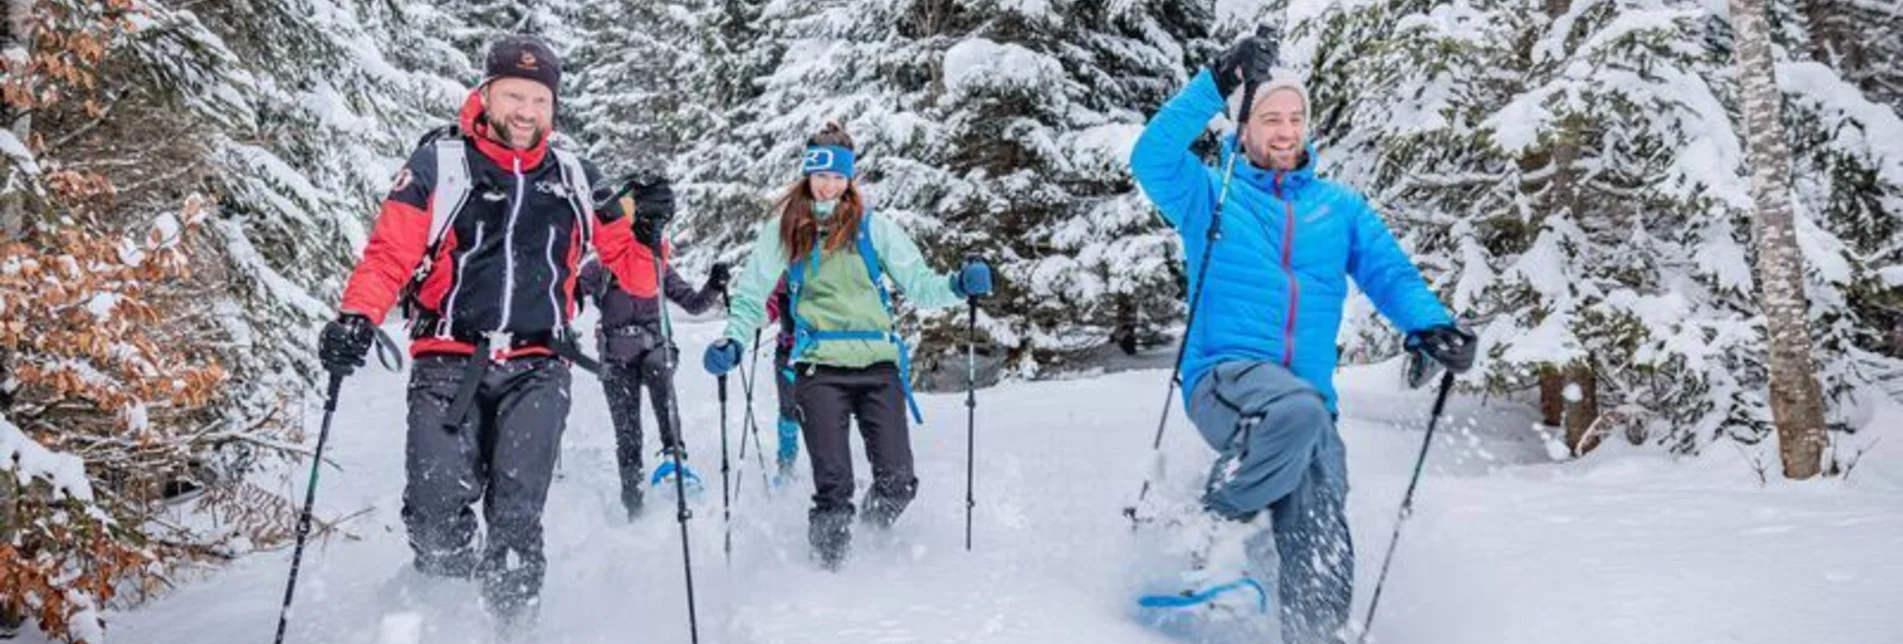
(509, 258)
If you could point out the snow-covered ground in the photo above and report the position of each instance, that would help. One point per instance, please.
(1625, 547)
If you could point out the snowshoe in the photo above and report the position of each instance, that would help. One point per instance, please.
(1211, 596)
(1232, 611)
(663, 480)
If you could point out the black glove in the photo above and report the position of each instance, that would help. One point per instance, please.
(1247, 63)
(1449, 345)
(653, 199)
(648, 233)
(719, 276)
(345, 343)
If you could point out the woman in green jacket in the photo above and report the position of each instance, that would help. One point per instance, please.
(848, 360)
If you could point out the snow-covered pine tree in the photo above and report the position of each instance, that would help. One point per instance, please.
(1861, 39)
(1570, 174)
(631, 102)
(1039, 109)
(723, 193)
(205, 254)
(735, 55)
(984, 127)
(474, 24)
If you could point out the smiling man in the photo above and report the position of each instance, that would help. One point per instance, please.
(1260, 360)
(480, 238)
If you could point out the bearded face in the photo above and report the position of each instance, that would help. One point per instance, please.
(1277, 127)
(520, 112)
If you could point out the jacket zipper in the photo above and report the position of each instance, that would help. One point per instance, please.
(508, 250)
(1288, 268)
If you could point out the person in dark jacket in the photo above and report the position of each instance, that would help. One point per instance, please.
(630, 339)
(497, 221)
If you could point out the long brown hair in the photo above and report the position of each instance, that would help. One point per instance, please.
(798, 226)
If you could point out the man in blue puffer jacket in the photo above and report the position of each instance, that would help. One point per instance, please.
(1260, 359)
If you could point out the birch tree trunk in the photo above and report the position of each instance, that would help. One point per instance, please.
(1797, 406)
(17, 46)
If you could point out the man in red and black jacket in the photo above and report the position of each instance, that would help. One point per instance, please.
(489, 392)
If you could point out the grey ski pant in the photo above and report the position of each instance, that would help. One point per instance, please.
(1279, 451)
(502, 455)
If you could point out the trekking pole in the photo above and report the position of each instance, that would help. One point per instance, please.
(680, 442)
(1407, 500)
(971, 406)
(1196, 293)
(726, 509)
(752, 423)
(310, 497)
(759, 452)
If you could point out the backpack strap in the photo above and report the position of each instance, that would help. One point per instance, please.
(447, 197)
(451, 191)
(805, 337)
(580, 194)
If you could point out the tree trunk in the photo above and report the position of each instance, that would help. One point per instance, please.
(1552, 397)
(18, 37)
(1582, 408)
(1797, 406)
(1569, 401)
(1833, 41)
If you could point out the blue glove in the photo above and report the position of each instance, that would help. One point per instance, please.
(721, 357)
(974, 280)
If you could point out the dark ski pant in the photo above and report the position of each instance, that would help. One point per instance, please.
(623, 381)
(830, 399)
(502, 455)
(1279, 451)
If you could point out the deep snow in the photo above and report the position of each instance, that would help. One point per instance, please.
(1626, 546)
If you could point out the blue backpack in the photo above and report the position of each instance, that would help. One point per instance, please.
(805, 337)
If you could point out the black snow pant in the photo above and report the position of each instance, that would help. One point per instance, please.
(502, 455)
(622, 381)
(830, 398)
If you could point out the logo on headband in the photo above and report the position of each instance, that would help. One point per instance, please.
(827, 158)
(818, 159)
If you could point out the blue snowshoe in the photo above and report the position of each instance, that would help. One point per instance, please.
(1231, 611)
(663, 479)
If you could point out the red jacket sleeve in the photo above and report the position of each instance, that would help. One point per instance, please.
(398, 241)
(396, 245)
(624, 256)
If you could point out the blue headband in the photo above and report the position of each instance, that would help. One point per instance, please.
(827, 158)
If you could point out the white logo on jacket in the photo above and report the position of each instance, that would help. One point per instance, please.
(556, 188)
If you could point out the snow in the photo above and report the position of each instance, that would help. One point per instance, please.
(246, 257)
(11, 146)
(101, 305)
(1862, 126)
(1891, 275)
(28, 461)
(978, 64)
(1624, 545)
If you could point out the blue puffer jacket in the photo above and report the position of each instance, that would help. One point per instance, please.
(1289, 242)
